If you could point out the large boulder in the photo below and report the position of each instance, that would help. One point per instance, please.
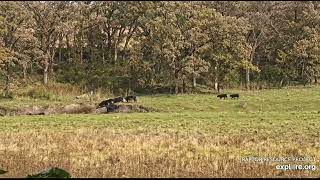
(129, 108)
(101, 110)
(124, 108)
(77, 109)
(32, 110)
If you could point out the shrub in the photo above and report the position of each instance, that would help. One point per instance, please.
(51, 173)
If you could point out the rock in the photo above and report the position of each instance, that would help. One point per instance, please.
(102, 110)
(125, 108)
(50, 110)
(78, 109)
(112, 108)
(33, 110)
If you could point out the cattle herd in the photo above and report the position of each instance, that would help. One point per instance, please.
(110, 103)
(232, 96)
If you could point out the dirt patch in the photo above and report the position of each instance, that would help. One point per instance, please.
(79, 109)
(68, 109)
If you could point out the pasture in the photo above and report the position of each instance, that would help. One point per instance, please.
(191, 135)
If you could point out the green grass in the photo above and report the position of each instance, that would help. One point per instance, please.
(266, 123)
(282, 100)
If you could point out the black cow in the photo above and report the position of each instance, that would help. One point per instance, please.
(128, 98)
(222, 96)
(234, 96)
(105, 103)
(119, 99)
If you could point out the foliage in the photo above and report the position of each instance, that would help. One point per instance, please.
(51, 173)
(3, 171)
(126, 47)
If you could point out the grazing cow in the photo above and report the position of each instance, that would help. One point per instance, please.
(119, 99)
(128, 98)
(105, 103)
(222, 96)
(234, 96)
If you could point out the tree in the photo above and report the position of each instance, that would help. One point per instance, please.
(178, 36)
(294, 40)
(160, 46)
(13, 23)
(49, 18)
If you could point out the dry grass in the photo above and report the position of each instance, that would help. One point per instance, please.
(115, 153)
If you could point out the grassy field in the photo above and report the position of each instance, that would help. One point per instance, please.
(191, 136)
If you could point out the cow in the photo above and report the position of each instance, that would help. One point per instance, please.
(222, 96)
(128, 98)
(234, 96)
(105, 103)
(119, 99)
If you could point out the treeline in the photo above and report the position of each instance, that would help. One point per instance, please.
(160, 46)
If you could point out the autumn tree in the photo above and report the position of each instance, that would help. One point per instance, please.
(49, 18)
(14, 21)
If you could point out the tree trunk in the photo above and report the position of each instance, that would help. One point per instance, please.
(7, 86)
(116, 42)
(60, 54)
(127, 40)
(45, 71)
(216, 78)
(216, 83)
(103, 59)
(24, 67)
(45, 76)
(194, 85)
(176, 76)
(116, 47)
(51, 64)
(281, 83)
(247, 69)
(184, 90)
(81, 44)
(81, 55)
(115, 51)
(315, 80)
(60, 47)
(247, 79)
(109, 45)
(129, 87)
